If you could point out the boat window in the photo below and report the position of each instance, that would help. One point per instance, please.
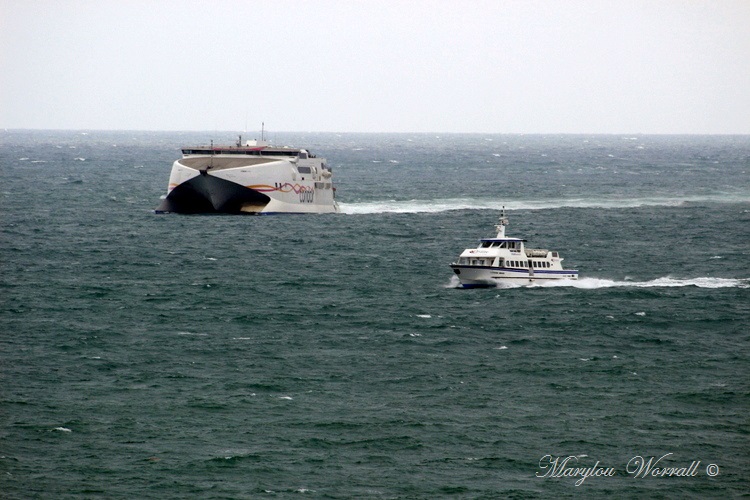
(303, 170)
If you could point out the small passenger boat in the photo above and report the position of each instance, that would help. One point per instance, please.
(504, 259)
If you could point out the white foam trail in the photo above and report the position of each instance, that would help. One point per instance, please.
(667, 281)
(446, 204)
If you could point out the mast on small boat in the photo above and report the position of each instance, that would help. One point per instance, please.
(501, 223)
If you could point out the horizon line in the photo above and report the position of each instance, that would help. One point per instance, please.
(84, 129)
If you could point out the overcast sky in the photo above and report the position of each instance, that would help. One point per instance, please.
(588, 66)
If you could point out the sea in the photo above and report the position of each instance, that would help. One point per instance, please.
(162, 356)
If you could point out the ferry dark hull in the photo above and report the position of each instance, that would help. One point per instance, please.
(206, 194)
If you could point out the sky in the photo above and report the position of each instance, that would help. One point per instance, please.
(475, 66)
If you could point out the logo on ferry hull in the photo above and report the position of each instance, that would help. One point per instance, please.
(283, 188)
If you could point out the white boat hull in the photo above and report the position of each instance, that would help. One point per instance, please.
(483, 276)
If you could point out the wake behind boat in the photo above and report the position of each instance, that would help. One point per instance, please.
(250, 178)
(506, 260)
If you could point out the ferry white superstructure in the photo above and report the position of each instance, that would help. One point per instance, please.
(250, 178)
(506, 260)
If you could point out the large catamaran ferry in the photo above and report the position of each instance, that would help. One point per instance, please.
(506, 260)
(249, 178)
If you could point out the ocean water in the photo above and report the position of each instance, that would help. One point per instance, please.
(169, 356)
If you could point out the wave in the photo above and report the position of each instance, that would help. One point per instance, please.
(446, 204)
(597, 283)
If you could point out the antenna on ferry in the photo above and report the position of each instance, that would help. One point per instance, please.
(262, 131)
(501, 223)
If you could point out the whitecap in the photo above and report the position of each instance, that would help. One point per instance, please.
(289, 398)
(423, 316)
(501, 348)
(62, 429)
(641, 313)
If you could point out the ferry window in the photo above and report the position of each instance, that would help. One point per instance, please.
(303, 170)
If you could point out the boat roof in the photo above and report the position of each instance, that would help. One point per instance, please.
(502, 239)
(239, 150)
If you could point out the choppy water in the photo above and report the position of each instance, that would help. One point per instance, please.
(166, 356)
